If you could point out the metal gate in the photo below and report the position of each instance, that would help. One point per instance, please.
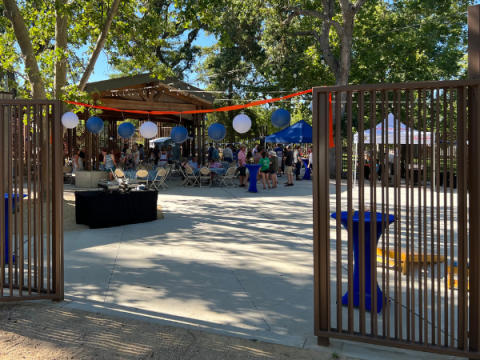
(417, 192)
(31, 217)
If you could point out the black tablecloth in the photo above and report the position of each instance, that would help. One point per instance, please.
(99, 210)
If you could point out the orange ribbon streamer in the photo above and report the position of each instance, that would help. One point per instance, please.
(225, 108)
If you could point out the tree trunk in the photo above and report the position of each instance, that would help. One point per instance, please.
(61, 43)
(99, 45)
(12, 12)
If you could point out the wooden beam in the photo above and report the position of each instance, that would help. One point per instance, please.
(146, 105)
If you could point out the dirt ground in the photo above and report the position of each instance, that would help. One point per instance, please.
(49, 331)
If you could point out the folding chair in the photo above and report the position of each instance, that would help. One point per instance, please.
(118, 174)
(141, 167)
(142, 177)
(68, 173)
(229, 176)
(159, 180)
(120, 165)
(232, 165)
(205, 176)
(169, 173)
(192, 179)
(148, 167)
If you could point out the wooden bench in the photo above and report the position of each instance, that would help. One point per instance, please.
(414, 258)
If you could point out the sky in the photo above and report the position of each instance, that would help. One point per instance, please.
(103, 70)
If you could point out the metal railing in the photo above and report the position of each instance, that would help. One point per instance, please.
(31, 217)
(426, 261)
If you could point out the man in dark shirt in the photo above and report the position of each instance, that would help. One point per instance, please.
(156, 153)
(125, 147)
(288, 157)
(210, 152)
(82, 154)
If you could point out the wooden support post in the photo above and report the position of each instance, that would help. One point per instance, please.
(474, 176)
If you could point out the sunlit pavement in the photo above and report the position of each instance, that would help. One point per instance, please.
(222, 260)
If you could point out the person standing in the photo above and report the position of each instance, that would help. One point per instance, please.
(297, 156)
(82, 158)
(110, 163)
(156, 154)
(256, 149)
(265, 169)
(163, 156)
(125, 148)
(279, 151)
(241, 163)
(170, 154)
(141, 151)
(215, 155)
(210, 151)
(273, 168)
(288, 157)
(228, 154)
(136, 156)
(77, 161)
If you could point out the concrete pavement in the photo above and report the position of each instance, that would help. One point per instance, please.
(222, 260)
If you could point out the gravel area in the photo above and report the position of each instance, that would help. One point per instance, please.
(50, 331)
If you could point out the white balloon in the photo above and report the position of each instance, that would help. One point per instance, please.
(148, 130)
(242, 123)
(70, 120)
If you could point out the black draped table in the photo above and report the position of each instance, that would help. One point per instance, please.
(100, 210)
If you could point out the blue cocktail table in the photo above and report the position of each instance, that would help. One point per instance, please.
(356, 257)
(306, 176)
(253, 170)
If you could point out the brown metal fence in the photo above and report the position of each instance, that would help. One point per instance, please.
(425, 217)
(31, 217)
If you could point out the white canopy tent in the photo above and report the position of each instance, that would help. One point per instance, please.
(390, 129)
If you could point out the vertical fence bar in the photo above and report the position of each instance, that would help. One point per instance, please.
(384, 172)
(49, 114)
(29, 204)
(445, 223)
(10, 193)
(432, 219)
(320, 211)
(57, 205)
(350, 170)
(21, 167)
(16, 185)
(407, 216)
(338, 197)
(462, 236)
(361, 210)
(452, 239)
(474, 213)
(436, 146)
(3, 153)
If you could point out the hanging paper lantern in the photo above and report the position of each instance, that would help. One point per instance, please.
(179, 134)
(217, 132)
(126, 130)
(148, 130)
(94, 125)
(70, 120)
(280, 118)
(242, 123)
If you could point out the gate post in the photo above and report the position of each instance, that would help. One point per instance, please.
(321, 223)
(474, 175)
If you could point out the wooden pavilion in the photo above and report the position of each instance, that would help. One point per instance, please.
(143, 92)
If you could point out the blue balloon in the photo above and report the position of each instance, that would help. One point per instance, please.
(280, 118)
(179, 134)
(94, 125)
(126, 130)
(217, 132)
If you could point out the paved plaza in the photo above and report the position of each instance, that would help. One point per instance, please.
(222, 260)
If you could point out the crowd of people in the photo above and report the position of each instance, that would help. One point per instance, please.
(274, 162)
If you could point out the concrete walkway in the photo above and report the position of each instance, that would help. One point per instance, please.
(223, 260)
